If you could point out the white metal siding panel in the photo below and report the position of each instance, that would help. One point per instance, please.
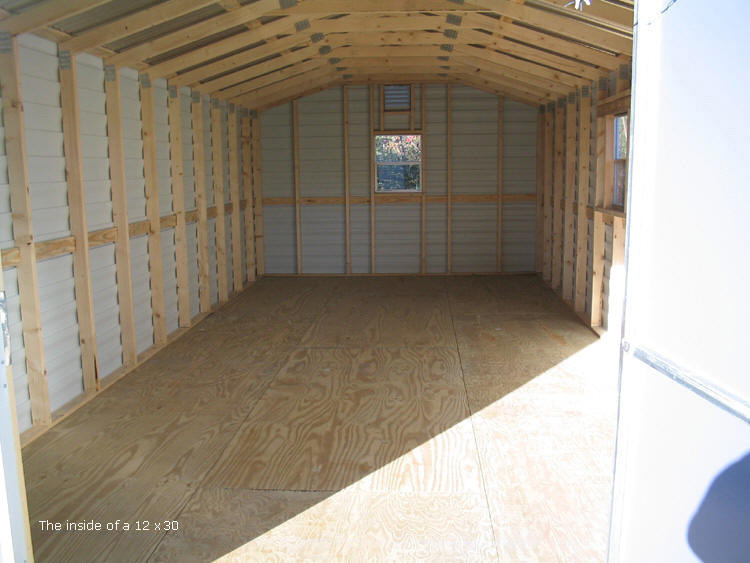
(359, 216)
(144, 328)
(187, 147)
(207, 150)
(474, 141)
(192, 254)
(95, 159)
(519, 177)
(161, 122)
(94, 143)
(519, 148)
(435, 142)
(133, 145)
(280, 239)
(395, 121)
(359, 141)
(397, 238)
(106, 309)
(17, 352)
(230, 262)
(519, 236)
(277, 152)
(436, 240)
(225, 150)
(474, 237)
(592, 148)
(6, 220)
(60, 330)
(240, 156)
(321, 144)
(43, 120)
(417, 103)
(243, 235)
(324, 239)
(213, 269)
(169, 264)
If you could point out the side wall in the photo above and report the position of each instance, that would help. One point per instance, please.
(469, 179)
(582, 236)
(148, 206)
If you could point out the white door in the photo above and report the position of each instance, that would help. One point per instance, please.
(682, 476)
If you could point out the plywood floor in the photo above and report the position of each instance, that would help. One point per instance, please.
(466, 418)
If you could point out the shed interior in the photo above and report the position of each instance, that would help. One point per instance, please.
(167, 165)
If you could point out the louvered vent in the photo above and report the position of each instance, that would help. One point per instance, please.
(397, 97)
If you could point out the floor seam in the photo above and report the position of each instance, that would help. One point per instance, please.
(473, 431)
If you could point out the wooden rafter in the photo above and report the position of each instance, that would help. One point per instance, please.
(191, 34)
(139, 21)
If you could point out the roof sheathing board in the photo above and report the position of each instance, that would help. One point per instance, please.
(103, 14)
(166, 27)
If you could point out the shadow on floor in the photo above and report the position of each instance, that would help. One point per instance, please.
(344, 417)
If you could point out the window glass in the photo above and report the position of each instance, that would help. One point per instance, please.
(398, 159)
(621, 160)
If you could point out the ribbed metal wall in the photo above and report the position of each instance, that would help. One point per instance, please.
(324, 239)
(49, 202)
(474, 127)
(106, 308)
(321, 144)
(144, 328)
(474, 237)
(133, 144)
(60, 329)
(135, 185)
(279, 234)
(360, 241)
(280, 239)
(436, 240)
(359, 141)
(519, 177)
(397, 238)
(359, 176)
(95, 161)
(474, 151)
(276, 146)
(321, 171)
(435, 176)
(398, 225)
(17, 351)
(213, 270)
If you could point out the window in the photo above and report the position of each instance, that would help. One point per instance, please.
(620, 181)
(398, 161)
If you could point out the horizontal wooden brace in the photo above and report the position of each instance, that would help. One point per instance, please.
(619, 103)
(11, 257)
(401, 198)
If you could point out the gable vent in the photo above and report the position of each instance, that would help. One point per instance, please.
(397, 97)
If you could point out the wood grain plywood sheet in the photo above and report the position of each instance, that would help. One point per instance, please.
(418, 526)
(383, 320)
(333, 416)
(548, 444)
(322, 419)
(241, 525)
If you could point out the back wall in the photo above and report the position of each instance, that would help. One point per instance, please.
(451, 227)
